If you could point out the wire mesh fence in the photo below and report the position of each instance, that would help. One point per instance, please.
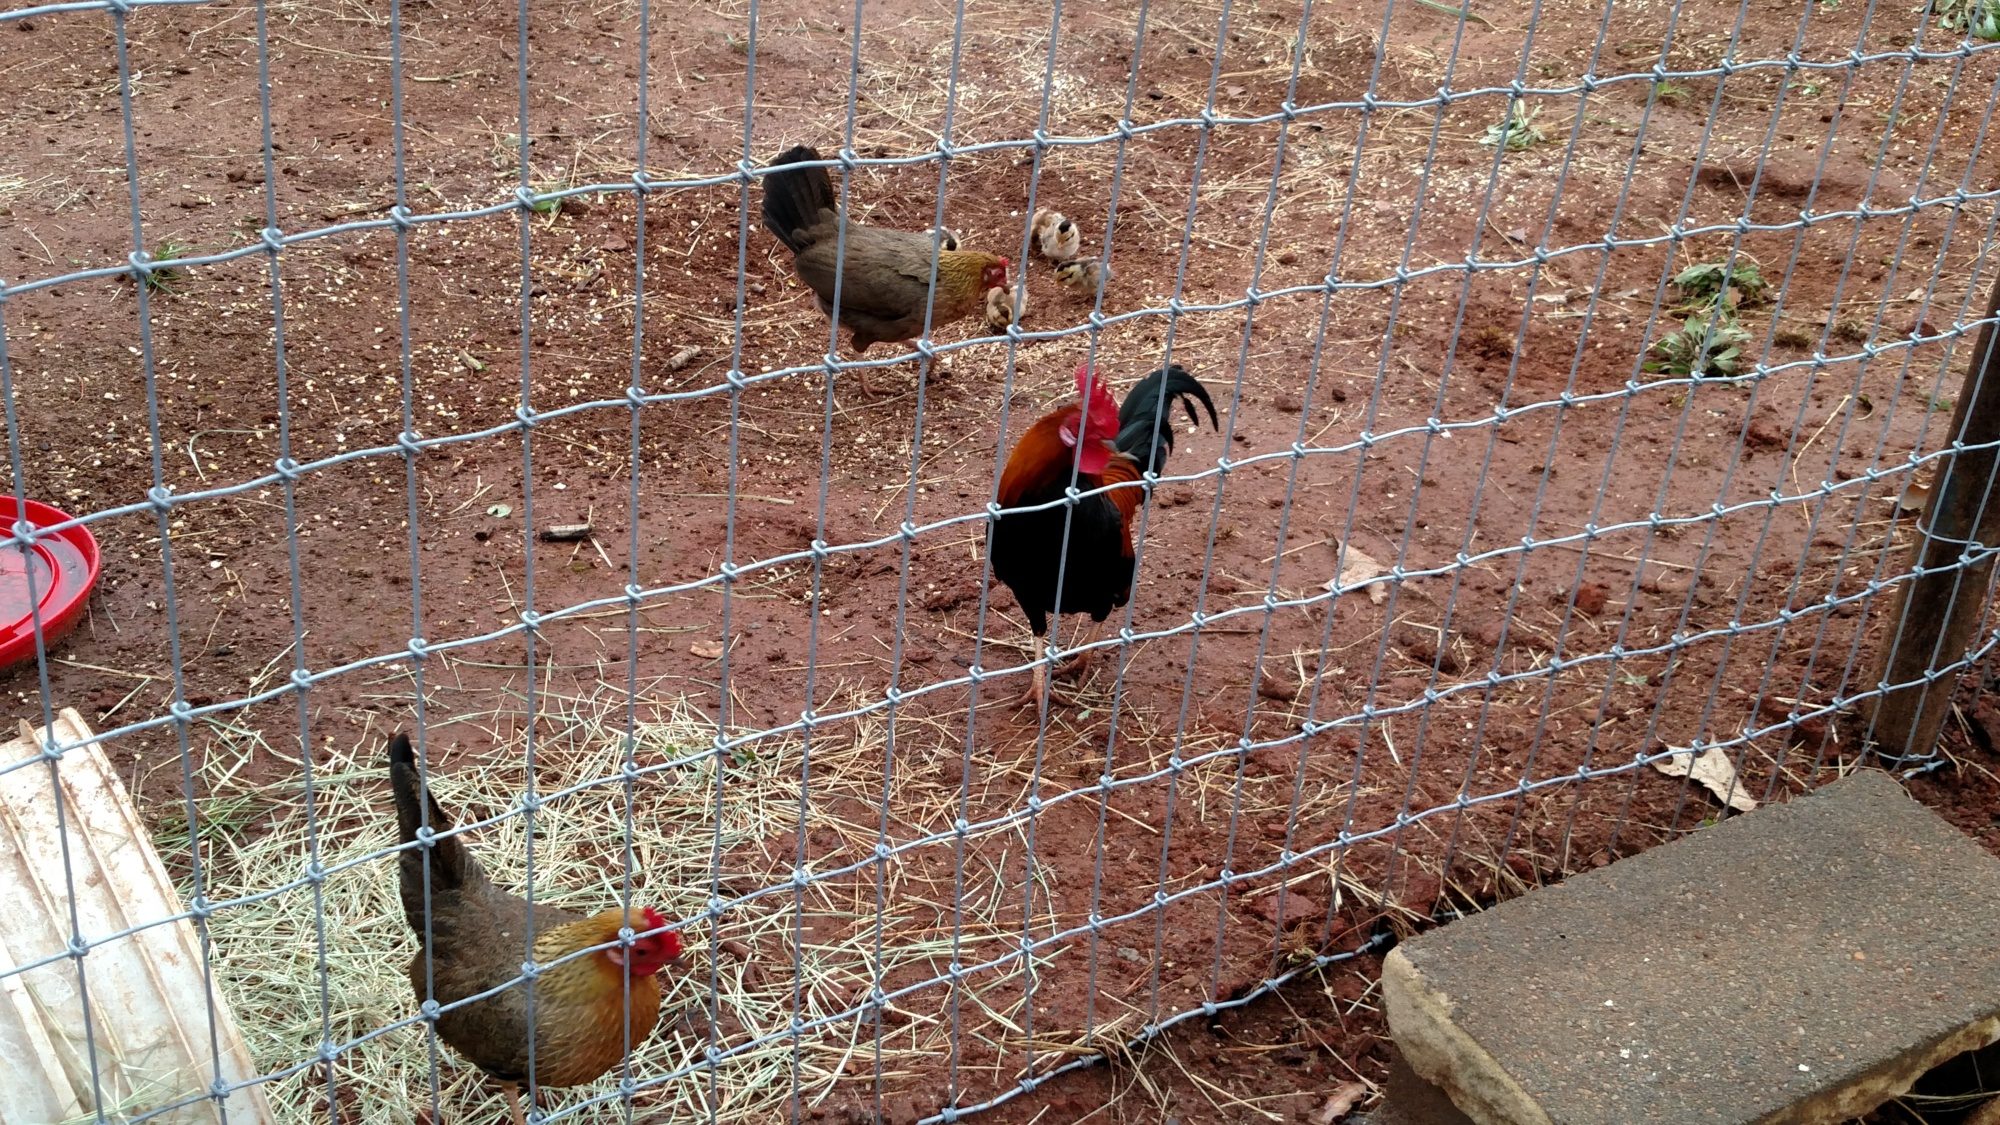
(1580, 373)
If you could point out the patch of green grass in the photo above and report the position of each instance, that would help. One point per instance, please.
(1671, 93)
(1518, 133)
(167, 278)
(1978, 19)
(1707, 345)
(1712, 283)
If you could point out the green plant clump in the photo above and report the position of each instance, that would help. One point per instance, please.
(1711, 282)
(1519, 132)
(1978, 19)
(165, 278)
(1708, 345)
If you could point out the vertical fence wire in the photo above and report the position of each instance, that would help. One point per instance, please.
(1226, 872)
(1505, 396)
(628, 862)
(1175, 764)
(413, 517)
(51, 752)
(727, 569)
(531, 672)
(831, 373)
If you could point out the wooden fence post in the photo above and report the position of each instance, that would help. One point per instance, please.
(1936, 613)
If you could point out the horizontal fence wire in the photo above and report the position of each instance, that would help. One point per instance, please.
(1031, 929)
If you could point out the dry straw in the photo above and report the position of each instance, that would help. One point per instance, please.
(265, 952)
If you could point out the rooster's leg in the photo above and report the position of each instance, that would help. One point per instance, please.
(1037, 677)
(1078, 661)
(1039, 695)
(514, 1102)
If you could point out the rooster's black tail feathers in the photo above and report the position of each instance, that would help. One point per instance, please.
(794, 197)
(1145, 433)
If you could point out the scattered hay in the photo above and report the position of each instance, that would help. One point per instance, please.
(264, 951)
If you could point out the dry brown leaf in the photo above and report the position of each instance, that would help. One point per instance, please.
(1715, 772)
(707, 650)
(1343, 1101)
(1913, 498)
(1915, 492)
(1356, 568)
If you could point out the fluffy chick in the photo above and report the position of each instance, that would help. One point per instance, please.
(1081, 276)
(999, 314)
(1056, 235)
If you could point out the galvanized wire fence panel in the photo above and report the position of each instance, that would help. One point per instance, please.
(1580, 371)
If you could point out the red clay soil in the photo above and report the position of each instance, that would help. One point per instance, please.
(1446, 345)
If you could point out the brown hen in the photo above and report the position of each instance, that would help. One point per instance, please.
(473, 934)
(887, 274)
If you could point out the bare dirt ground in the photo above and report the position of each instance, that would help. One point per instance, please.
(1367, 194)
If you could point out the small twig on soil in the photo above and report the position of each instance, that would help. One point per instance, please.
(1466, 12)
(742, 496)
(1620, 558)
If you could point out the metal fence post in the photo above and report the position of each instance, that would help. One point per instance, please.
(1937, 612)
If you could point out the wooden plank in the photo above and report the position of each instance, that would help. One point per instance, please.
(150, 1038)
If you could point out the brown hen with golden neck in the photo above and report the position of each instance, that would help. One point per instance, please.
(583, 1020)
(886, 280)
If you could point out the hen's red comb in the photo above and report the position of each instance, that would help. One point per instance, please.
(651, 918)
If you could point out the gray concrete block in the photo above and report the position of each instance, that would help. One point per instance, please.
(1795, 966)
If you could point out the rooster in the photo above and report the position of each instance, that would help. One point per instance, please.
(887, 275)
(1116, 445)
(581, 1006)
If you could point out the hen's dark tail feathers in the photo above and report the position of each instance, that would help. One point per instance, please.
(794, 197)
(1145, 433)
(451, 861)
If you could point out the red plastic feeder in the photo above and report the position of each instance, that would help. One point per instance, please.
(64, 567)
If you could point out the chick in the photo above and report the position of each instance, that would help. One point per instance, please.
(947, 240)
(998, 313)
(1056, 235)
(1081, 276)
